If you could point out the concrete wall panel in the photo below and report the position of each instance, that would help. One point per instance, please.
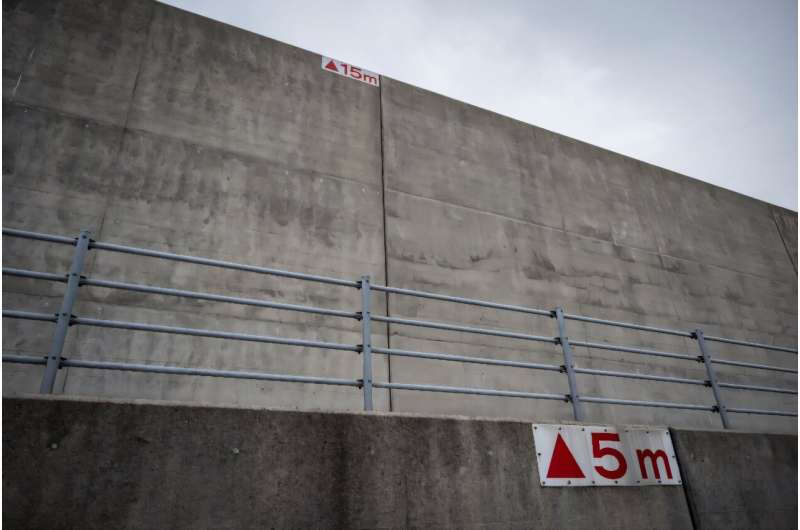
(124, 465)
(82, 57)
(218, 86)
(483, 206)
(236, 147)
(157, 128)
(739, 480)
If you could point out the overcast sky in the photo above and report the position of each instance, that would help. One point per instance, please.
(707, 88)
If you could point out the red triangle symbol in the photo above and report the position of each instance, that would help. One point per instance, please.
(331, 66)
(563, 464)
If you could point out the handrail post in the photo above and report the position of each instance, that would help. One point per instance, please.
(712, 378)
(569, 365)
(366, 342)
(65, 313)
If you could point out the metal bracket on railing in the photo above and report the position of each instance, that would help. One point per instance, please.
(712, 378)
(569, 365)
(366, 342)
(64, 316)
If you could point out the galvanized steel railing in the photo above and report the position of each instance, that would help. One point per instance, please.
(74, 280)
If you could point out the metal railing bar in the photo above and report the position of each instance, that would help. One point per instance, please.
(215, 297)
(658, 404)
(628, 349)
(461, 300)
(219, 263)
(628, 325)
(648, 377)
(465, 390)
(25, 234)
(765, 412)
(177, 370)
(758, 388)
(22, 273)
(466, 329)
(466, 359)
(23, 359)
(117, 324)
(29, 315)
(754, 365)
(751, 344)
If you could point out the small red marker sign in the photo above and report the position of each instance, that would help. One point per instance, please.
(348, 70)
(597, 455)
(331, 66)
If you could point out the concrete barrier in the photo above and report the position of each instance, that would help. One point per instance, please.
(86, 463)
(739, 480)
(72, 463)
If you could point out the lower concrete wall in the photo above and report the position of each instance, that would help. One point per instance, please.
(739, 480)
(71, 463)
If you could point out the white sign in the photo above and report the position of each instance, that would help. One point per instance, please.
(348, 70)
(583, 455)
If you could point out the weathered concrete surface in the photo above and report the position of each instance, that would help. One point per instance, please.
(481, 205)
(157, 128)
(786, 222)
(739, 480)
(124, 465)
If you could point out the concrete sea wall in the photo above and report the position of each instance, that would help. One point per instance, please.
(101, 464)
(158, 128)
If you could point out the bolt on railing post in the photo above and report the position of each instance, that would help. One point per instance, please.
(65, 313)
(366, 343)
(569, 365)
(712, 378)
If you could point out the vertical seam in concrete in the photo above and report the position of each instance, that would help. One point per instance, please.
(145, 49)
(385, 242)
(92, 259)
(684, 479)
(783, 239)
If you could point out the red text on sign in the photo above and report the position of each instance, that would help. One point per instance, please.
(600, 452)
(654, 457)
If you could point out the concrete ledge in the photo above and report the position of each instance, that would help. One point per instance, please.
(91, 464)
(739, 480)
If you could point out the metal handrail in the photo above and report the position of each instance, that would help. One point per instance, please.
(628, 325)
(216, 298)
(220, 263)
(646, 377)
(469, 390)
(754, 365)
(175, 330)
(630, 349)
(468, 359)
(461, 300)
(465, 329)
(64, 318)
(751, 344)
